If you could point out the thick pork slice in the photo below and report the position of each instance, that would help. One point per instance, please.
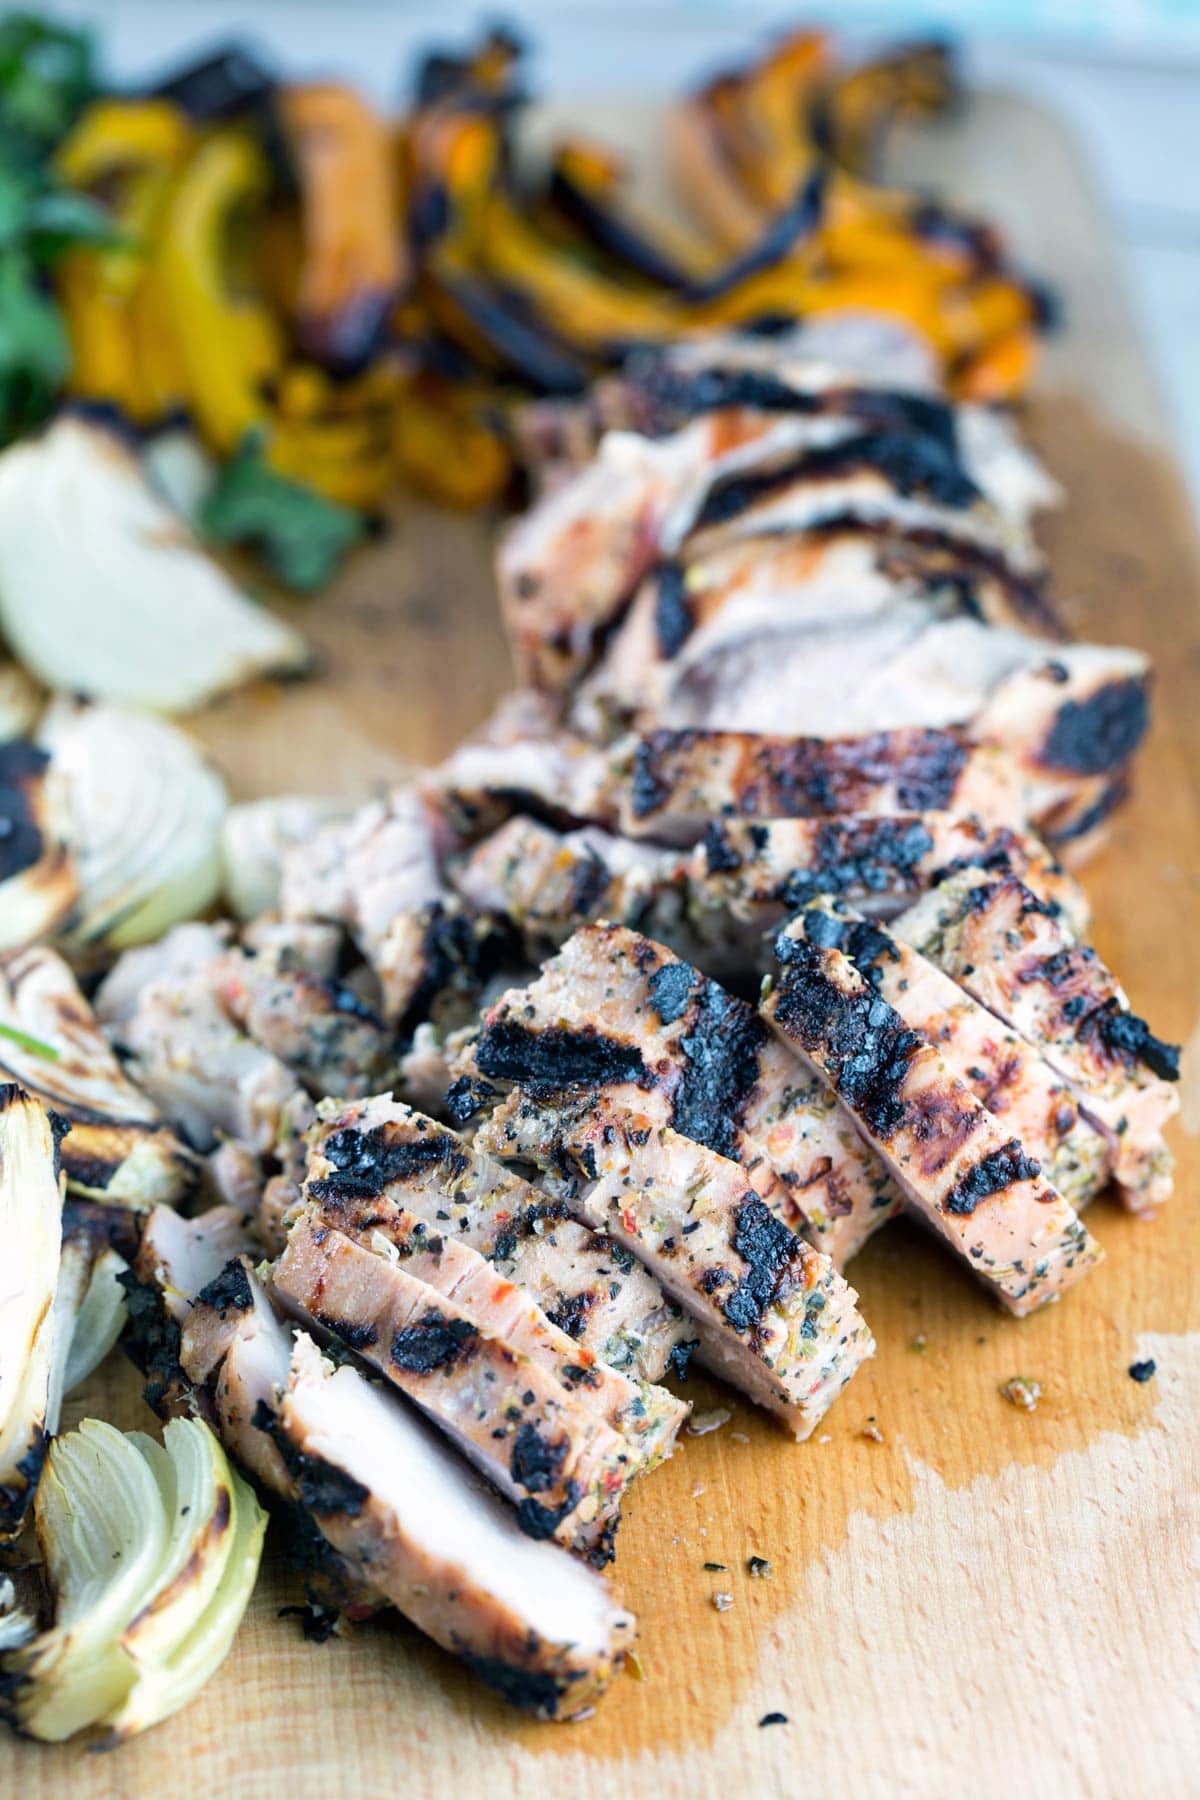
(563, 1469)
(1017, 955)
(1002, 1070)
(679, 781)
(771, 1314)
(647, 1418)
(753, 871)
(958, 1167)
(330, 1038)
(619, 1014)
(537, 1625)
(377, 1156)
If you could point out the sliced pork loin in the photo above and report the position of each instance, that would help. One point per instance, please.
(177, 1260)
(1017, 1086)
(537, 1625)
(621, 1015)
(1018, 956)
(686, 613)
(207, 1075)
(647, 1418)
(720, 903)
(330, 1038)
(677, 782)
(377, 1156)
(961, 1171)
(562, 1467)
(771, 1314)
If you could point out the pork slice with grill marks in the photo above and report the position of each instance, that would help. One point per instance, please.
(753, 871)
(619, 1014)
(676, 782)
(687, 612)
(1018, 956)
(535, 1624)
(772, 1315)
(960, 1170)
(1018, 1087)
(647, 1419)
(562, 1467)
(568, 567)
(377, 1156)
(913, 480)
(319, 1027)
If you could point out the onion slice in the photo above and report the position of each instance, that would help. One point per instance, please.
(104, 591)
(31, 1235)
(152, 1552)
(146, 821)
(38, 886)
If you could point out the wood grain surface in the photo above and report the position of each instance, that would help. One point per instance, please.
(970, 1600)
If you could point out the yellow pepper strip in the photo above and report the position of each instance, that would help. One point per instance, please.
(123, 352)
(774, 106)
(227, 173)
(706, 178)
(1002, 371)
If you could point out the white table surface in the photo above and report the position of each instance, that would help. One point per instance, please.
(1133, 97)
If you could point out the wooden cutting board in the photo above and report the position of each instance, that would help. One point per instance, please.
(963, 1598)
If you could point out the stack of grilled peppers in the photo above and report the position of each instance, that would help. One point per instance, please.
(364, 300)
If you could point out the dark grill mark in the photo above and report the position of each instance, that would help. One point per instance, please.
(672, 611)
(557, 1058)
(671, 988)
(466, 1098)
(869, 858)
(536, 1462)
(527, 1689)
(721, 1054)
(863, 1044)
(991, 1175)
(590, 878)
(774, 1261)
(433, 1342)
(367, 1162)
(1129, 1038)
(911, 464)
(229, 1291)
(720, 856)
(1093, 736)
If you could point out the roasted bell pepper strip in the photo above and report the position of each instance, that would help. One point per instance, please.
(353, 265)
(228, 173)
(447, 447)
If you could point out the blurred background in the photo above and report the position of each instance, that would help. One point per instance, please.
(1124, 74)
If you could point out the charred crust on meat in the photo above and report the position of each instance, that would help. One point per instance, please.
(720, 856)
(460, 951)
(433, 1342)
(320, 1485)
(679, 1357)
(536, 1462)
(152, 1342)
(557, 1057)
(22, 767)
(670, 988)
(774, 1263)
(571, 1312)
(910, 464)
(229, 1291)
(648, 789)
(1129, 1039)
(541, 1522)
(870, 856)
(590, 877)
(672, 610)
(355, 1337)
(530, 1690)
(992, 1174)
(467, 1098)
(721, 1051)
(367, 1162)
(862, 1042)
(1096, 735)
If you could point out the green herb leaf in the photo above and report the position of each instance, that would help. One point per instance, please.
(31, 1045)
(302, 536)
(47, 76)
